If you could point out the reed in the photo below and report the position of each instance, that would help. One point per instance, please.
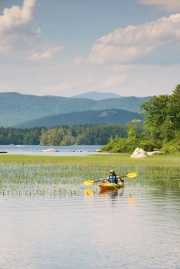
(64, 176)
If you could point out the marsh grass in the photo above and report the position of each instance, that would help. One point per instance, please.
(112, 159)
(64, 176)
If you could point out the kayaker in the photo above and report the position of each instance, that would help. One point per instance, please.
(113, 178)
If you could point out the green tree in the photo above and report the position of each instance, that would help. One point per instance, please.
(162, 116)
(156, 112)
(174, 108)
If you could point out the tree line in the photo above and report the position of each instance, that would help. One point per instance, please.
(88, 134)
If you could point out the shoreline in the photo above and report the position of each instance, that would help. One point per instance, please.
(59, 153)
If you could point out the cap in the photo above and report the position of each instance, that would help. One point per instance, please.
(112, 171)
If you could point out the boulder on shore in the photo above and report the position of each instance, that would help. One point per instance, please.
(139, 153)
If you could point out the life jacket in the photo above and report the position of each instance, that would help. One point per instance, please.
(113, 179)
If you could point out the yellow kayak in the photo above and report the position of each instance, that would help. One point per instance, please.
(108, 186)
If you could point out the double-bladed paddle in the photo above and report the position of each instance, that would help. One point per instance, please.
(90, 181)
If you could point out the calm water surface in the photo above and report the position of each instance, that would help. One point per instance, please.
(137, 227)
(75, 150)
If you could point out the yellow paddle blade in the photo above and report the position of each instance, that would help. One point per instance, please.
(131, 175)
(88, 182)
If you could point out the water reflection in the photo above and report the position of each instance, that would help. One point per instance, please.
(85, 228)
(89, 192)
(113, 193)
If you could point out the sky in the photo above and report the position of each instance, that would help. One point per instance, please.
(69, 47)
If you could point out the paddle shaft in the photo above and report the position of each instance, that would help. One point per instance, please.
(107, 178)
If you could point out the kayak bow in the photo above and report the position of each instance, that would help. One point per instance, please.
(110, 186)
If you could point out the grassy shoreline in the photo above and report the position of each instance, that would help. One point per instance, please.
(114, 159)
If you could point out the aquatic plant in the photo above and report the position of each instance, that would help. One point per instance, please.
(61, 176)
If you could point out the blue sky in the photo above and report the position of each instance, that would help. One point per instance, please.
(69, 47)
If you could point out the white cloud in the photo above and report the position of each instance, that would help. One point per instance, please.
(121, 68)
(135, 42)
(18, 39)
(45, 53)
(11, 21)
(114, 81)
(16, 16)
(80, 60)
(66, 88)
(168, 5)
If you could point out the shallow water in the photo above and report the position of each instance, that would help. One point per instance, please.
(137, 227)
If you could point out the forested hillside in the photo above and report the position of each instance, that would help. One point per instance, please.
(130, 103)
(16, 108)
(117, 116)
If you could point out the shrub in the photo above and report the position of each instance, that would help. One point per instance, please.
(148, 145)
(171, 147)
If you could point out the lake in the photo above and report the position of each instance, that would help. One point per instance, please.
(75, 150)
(137, 227)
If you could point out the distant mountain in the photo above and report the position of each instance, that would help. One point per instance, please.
(117, 116)
(16, 108)
(97, 95)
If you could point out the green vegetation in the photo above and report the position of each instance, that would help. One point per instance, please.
(16, 108)
(135, 138)
(162, 120)
(20, 136)
(64, 175)
(97, 134)
(130, 103)
(161, 127)
(115, 161)
(83, 134)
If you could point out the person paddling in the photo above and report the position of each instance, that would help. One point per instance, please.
(113, 178)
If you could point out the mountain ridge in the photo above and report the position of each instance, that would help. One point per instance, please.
(16, 108)
(113, 116)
